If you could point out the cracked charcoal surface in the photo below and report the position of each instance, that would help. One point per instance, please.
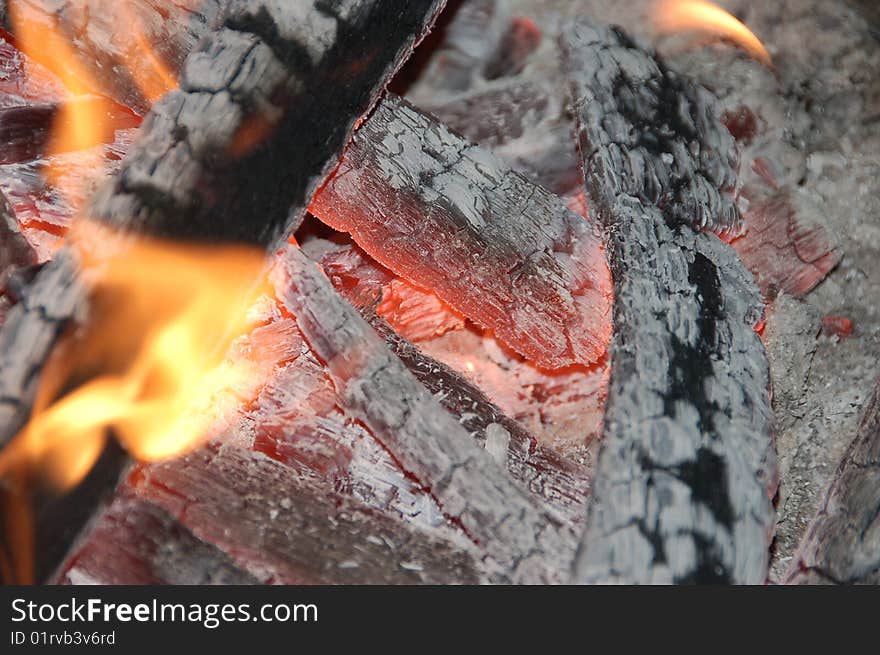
(450, 216)
(842, 544)
(522, 541)
(271, 71)
(680, 492)
(662, 138)
(816, 116)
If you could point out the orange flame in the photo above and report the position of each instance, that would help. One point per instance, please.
(678, 15)
(163, 317)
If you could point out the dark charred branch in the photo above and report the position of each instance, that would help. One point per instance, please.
(522, 541)
(684, 477)
(842, 544)
(451, 217)
(260, 521)
(267, 101)
(681, 158)
(554, 480)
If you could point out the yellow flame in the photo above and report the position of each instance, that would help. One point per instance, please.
(679, 15)
(153, 357)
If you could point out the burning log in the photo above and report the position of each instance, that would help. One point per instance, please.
(784, 249)
(554, 480)
(257, 520)
(176, 180)
(682, 484)
(213, 160)
(523, 540)
(842, 544)
(451, 217)
(134, 542)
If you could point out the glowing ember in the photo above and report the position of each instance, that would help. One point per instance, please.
(679, 15)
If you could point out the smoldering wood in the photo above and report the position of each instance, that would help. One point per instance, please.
(25, 130)
(267, 522)
(137, 543)
(785, 247)
(553, 479)
(684, 477)
(842, 544)
(267, 101)
(522, 121)
(450, 216)
(15, 251)
(522, 541)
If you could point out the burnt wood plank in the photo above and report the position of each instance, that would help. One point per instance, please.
(683, 481)
(842, 544)
(523, 541)
(450, 216)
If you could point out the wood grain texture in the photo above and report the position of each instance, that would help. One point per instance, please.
(683, 479)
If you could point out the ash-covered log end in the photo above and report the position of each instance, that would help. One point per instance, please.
(649, 132)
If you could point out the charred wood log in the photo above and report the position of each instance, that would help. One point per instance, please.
(260, 521)
(683, 481)
(842, 544)
(523, 541)
(134, 542)
(449, 216)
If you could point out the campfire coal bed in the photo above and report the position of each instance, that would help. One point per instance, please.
(545, 300)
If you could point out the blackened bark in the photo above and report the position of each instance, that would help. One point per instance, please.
(683, 479)
(451, 217)
(842, 544)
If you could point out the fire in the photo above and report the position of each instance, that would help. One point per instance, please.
(151, 366)
(679, 15)
(148, 365)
